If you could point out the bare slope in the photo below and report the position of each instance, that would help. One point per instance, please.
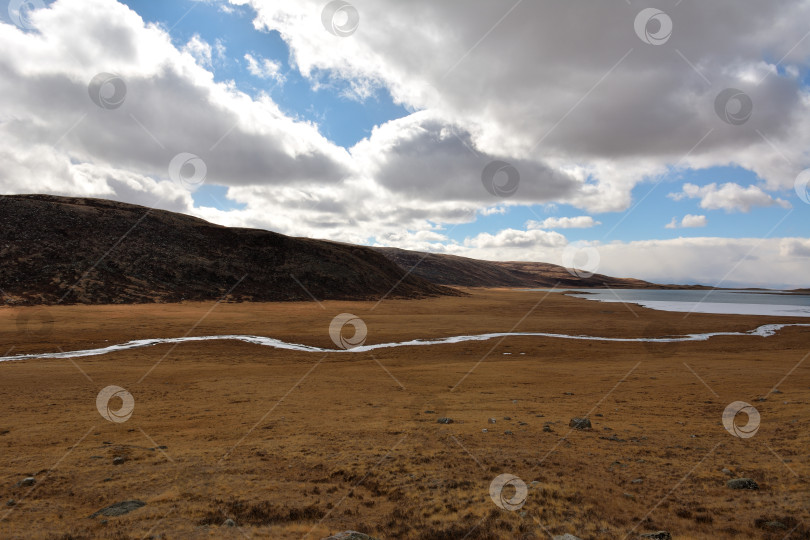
(96, 251)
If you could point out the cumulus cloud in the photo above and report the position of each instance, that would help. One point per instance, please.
(171, 105)
(688, 221)
(264, 68)
(575, 94)
(579, 222)
(199, 49)
(729, 197)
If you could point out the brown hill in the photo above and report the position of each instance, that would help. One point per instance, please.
(461, 271)
(92, 251)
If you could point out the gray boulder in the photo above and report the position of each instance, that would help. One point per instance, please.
(580, 423)
(27, 482)
(742, 483)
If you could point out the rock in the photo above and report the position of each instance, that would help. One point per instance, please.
(444, 420)
(547, 428)
(350, 535)
(507, 432)
(566, 536)
(11, 502)
(229, 523)
(638, 481)
(119, 460)
(491, 420)
(774, 525)
(568, 393)
(507, 417)
(742, 483)
(725, 471)
(484, 431)
(580, 423)
(660, 535)
(27, 482)
(430, 412)
(119, 509)
(776, 391)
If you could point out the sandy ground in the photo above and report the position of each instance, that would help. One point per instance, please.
(303, 445)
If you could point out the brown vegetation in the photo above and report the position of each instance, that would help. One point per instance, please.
(288, 443)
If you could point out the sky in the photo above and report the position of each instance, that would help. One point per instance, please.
(667, 141)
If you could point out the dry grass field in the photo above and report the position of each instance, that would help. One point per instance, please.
(303, 444)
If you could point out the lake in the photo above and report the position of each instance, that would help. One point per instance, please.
(740, 302)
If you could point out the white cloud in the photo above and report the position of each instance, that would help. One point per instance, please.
(729, 197)
(264, 68)
(579, 222)
(199, 49)
(688, 221)
(711, 261)
(578, 98)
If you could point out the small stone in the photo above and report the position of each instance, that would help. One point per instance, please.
(568, 393)
(444, 420)
(566, 536)
(11, 502)
(580, 423)
(27, 482)
(491, 420)
(119, 460)
(725, 471)
(547, 428)
(430, 412)
(773, 525)
(484, 431)
(600, 415)
(507, 432)
(742, 483)
(119, 509)
(638, 481)
(229, 523)
(514, 401)
(660, 535)
(776, 391)
(507, 417)
(350, 535)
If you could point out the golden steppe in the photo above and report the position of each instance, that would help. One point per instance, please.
(294, 444)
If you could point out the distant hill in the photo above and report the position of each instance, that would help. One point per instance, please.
(69, 250)
(462, 271)
(94, 251)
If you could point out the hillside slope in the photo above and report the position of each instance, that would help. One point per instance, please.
(93, 251)
(461, 271)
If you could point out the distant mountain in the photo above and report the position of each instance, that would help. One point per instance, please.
(93, 251)
(461, 271)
